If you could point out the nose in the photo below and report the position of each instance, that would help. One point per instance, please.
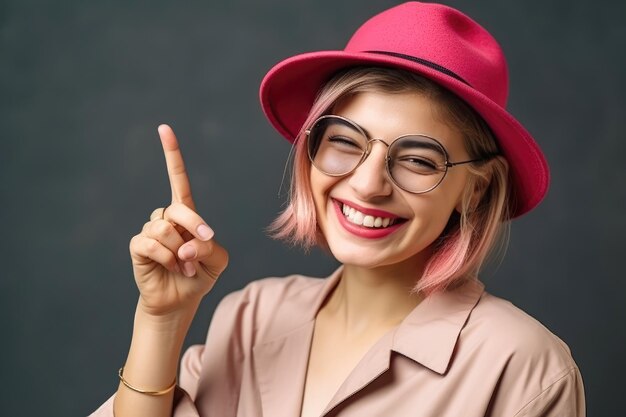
(370, 180)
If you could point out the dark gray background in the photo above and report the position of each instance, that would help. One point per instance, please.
(83, 86)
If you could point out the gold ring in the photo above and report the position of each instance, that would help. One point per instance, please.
(157, 213)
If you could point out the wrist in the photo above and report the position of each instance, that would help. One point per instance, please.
(172, 324)
(155, 348)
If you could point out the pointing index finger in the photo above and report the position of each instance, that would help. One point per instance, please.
(179, 181)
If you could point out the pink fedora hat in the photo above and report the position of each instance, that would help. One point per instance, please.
(437, 42)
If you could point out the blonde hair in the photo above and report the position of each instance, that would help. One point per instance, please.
(469, 236)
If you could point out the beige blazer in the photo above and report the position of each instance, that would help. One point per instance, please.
(460, 353)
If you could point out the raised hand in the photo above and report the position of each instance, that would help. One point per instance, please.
(175, 259)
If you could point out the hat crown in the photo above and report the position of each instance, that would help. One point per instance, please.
(441, 36)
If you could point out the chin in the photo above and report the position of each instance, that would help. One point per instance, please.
(375, 253)
(371, 257)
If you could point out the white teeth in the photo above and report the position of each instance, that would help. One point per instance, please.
(356, 217)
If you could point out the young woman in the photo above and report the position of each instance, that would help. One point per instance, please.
(407, 168)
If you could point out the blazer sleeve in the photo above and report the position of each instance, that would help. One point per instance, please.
(564, 398)
(218, 360)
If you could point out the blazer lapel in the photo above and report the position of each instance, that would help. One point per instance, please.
(375, 362)
(428, 335)
(281, 360)
(281, 370)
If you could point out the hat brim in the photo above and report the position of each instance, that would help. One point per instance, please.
(290, 88)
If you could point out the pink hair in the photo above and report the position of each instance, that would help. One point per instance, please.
(470, 236)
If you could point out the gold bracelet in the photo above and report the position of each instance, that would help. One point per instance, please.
(120, 373)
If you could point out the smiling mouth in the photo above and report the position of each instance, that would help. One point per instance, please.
(361, 219)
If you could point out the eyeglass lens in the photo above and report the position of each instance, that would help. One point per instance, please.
(415, 163)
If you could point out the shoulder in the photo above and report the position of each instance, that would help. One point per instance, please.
(508, 329)
(268, 293)
(529, 367)
(270, 306)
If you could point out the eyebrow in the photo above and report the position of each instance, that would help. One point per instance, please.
(367, 134)
(411, 143)
(407, 142)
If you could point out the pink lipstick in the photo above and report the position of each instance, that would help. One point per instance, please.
(364, 231)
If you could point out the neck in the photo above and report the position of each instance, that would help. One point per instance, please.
(372, 297)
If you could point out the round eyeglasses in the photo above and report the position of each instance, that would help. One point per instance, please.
(415, 163)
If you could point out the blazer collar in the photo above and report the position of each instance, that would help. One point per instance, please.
(428, 335)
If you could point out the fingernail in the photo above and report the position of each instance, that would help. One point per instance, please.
(205, 232)
(177, 268)
(190, 270)
(188, 252)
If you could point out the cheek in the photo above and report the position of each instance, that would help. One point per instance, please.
(440, 206)
(455, 188)
(430, 219)
(321, 186)
(317, 186)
